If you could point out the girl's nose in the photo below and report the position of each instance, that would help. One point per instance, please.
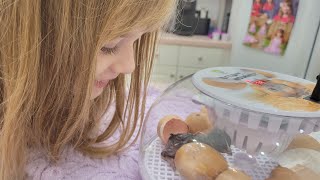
(125, 63)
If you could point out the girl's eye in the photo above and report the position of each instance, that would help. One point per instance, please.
(109, 51)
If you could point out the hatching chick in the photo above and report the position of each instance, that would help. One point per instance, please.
(218, 139)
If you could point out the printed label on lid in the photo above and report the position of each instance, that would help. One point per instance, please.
(258, 90)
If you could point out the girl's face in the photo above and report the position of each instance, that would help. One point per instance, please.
(286, 8)
(258, 1)
(115, 57)
(270, 1)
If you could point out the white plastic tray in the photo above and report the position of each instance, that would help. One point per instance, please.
(155, 168)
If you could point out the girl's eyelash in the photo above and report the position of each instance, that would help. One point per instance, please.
(109, 51)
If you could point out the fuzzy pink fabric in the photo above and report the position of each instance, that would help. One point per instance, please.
(74, 165)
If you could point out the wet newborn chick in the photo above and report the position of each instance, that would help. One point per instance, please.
(217, 139)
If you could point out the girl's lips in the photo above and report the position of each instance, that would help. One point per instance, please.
(101, 84)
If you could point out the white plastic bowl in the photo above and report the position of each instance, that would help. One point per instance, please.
(254, 126)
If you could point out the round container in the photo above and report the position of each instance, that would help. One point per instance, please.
(258, 109)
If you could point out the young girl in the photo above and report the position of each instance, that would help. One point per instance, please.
(253, 27)
(263, 30)
(276, 42)
(62, 66)
(250, 39)
(256, 8)
(262, 35)
(268, 8)
(285, 14)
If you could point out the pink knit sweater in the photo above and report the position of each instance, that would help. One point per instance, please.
(74, 165)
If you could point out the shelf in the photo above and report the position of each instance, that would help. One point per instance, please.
(196, 41)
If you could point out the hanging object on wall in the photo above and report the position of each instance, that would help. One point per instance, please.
(270, 26)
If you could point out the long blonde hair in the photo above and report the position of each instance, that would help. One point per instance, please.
(47, 64)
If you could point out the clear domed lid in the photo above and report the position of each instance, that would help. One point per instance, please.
(256, 135)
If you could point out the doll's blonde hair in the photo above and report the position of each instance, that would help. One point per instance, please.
(47, 64)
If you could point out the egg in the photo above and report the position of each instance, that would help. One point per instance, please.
(305, 173)
(204, 110)
(232, 174)
(300, 156)
(297, 172)
(171, 124)
(199, 161)
(304, 141)
(281, 173)
(199, 122)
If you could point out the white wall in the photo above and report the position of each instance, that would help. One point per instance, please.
(295, 61)
(314, 67)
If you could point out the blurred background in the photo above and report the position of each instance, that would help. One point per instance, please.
(208, 33)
